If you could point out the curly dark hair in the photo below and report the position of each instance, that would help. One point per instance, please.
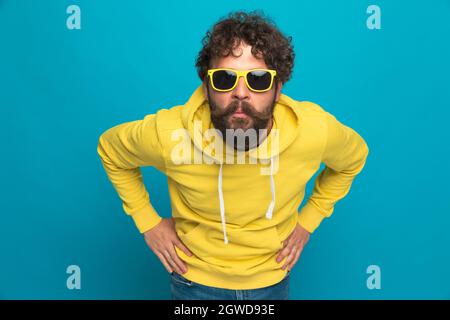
(256, 30)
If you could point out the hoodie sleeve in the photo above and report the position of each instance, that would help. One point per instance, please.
(344, 157)
(125, 148)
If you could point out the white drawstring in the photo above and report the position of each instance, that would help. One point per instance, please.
(272, 190)
(269, 211)
(222, 206)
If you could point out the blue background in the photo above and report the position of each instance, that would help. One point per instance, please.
(60, 89)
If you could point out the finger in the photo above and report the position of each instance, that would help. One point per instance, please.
(183, 248)
(287, 240)
(301, 251)
(164, 262)
(175, 258)
(285, 252)
(297, 256)
(172, 263)
(289, 258)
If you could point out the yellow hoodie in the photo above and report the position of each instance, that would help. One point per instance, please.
(234, 217)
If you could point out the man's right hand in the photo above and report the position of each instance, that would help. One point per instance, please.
(162, 239)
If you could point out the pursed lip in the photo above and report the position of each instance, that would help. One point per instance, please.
(239, 115)
(239, 112)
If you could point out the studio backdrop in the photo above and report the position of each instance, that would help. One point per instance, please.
(71, 69)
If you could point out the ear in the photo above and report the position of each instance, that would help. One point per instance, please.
(205, 93)
(279, 86)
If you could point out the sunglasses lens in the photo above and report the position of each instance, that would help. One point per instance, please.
(259, 79)
(224, 79)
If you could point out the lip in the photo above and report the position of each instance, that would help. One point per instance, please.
(240, 114)
(239, 111)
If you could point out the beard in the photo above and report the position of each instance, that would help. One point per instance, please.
(223, 120)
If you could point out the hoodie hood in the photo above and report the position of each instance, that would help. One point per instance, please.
(286, 116)
(196, 118)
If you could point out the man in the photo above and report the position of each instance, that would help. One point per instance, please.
(235, 232)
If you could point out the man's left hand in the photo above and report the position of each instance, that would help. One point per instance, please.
(293, 247)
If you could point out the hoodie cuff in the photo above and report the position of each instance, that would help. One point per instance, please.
(145, 218)
(310, 217)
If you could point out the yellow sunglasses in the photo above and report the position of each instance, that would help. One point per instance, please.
(257, 80)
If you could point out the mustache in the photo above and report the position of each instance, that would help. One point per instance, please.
(246, 107)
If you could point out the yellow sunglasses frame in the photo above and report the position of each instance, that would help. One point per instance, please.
(241, 73)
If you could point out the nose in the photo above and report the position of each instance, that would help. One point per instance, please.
(241, 90)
